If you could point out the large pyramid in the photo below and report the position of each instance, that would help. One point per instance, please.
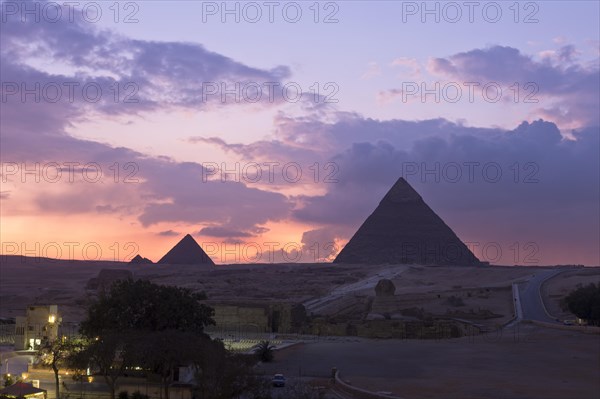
(403, 229)
(186, 252)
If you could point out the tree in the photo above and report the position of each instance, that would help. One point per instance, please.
(55, 354)
(162, 351)
(264, 351)
(110, 355)
(145, 306)
(223, 375)
(8, 381)
(584, 302)
(141, 324)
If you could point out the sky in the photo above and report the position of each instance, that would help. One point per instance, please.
(271, 130)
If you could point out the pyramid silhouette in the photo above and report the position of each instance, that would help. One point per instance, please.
(138, 259)
(403, 229)
(186, 252)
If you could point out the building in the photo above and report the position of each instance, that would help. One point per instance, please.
(40, 322)
(249, 317)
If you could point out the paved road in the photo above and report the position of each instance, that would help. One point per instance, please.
(531, 301)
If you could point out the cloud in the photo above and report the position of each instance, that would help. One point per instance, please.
(168, 233)
(231, 232)
(168, 74)
(150, 75)
(570, 89)
(455, 168)
(182, 195)
(373, 70)
(543, 191)
(546, 191)
(411, 65)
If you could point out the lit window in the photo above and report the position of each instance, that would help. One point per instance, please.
(51, 319)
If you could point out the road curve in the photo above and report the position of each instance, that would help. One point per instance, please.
(530, 297)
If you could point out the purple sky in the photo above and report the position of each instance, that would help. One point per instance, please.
(114, 134)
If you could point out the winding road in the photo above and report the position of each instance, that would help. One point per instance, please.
(530, 298)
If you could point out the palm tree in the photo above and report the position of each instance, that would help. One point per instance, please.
(264, 351)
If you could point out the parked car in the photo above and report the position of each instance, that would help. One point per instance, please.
(278, 380)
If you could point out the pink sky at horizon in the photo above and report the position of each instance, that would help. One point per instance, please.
(541, 210)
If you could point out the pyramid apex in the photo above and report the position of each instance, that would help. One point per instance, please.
(401, 191)
(186, 252)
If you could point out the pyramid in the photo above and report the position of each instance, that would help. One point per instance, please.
(403, 229)
(186, 252)
(138, 259)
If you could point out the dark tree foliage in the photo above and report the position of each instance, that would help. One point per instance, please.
(110, 354)
(142, 305)
(161, 351)
(141, 324)
(584, 302)
(223, 375)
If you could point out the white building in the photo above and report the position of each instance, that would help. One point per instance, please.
(40, 322)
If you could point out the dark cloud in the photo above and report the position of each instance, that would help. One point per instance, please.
(573, 86)
(148, 74)
(230, 232)
(548, 189)
(168, 233)
(542, 176)
(167, 75)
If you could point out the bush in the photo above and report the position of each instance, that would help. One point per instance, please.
(584, 302)
(455, 301)
(123, 395)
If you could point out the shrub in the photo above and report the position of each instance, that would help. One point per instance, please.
(455, 301)
(584, 302)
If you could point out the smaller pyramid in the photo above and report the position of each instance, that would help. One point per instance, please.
(139, 260)
(186, 252)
